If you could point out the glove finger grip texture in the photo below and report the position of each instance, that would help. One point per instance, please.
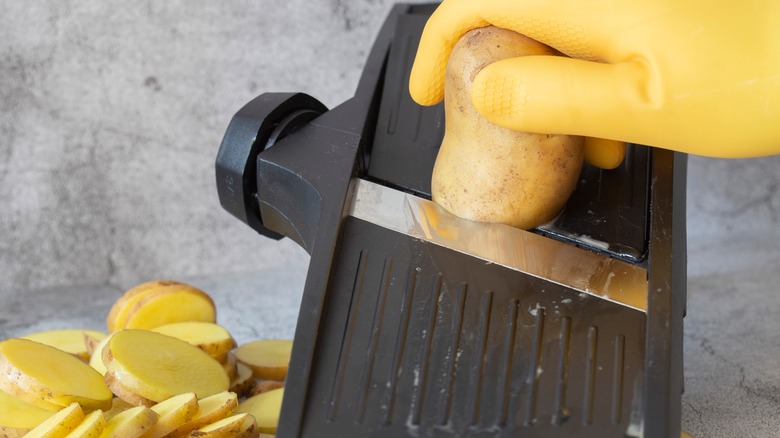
(546, 94)
(443, 30)
(454, 18)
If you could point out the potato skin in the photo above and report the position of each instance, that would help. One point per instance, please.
(488, 173)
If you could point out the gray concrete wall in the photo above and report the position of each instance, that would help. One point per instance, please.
(111, 114)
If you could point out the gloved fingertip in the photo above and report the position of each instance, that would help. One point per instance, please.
(426, 93)
(499, 98)
(603, 153)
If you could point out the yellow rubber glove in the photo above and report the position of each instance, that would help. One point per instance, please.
(696, 76)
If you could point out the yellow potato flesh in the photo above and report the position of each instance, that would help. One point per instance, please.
(269, 359)
(227, 427)
(266, 408)
(96, 360)
(214, 339)
(59, 424)
(157, 367)
(117, 316)
(166, 306)
(117, 406)
(47, 377)
(131, 423)
(488, 173)
(210, 409)
(249, 430)
(172, 413)
(18, 414)
(230, 364)
(68, 340)
(91, 426)
(243, 380)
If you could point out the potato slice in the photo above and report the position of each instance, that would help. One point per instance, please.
(156, 367)
(17, 417)
(250, 431)
(68, 340)
(59, 424)
(173, 413)
(171, 304)
(131, 423)
(244, 380)
(268, 358)
(126, 394)
(118, 314)
(262, 386)
(96, 360)
(12, 432)
(230, 364)
(90, 427)
(117, 405)
(266, 408)
(50, 378)
(210, 410)
(92, 340)
(228, 427)
(214, 339)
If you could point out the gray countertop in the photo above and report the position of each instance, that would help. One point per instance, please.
(732, 347)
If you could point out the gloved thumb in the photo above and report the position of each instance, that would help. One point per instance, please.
(558, 95)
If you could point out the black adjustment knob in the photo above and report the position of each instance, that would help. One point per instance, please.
(254, 128)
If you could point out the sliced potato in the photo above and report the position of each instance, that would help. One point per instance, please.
(12, 432)
(230, 364)
(266, 408)
(210, 410)
(131, 423)
(117, 405)
(173, 413)
(50, 378)
(17, 417)
(250, 431)
(59, 424)
(68, 340)
(90, 427)
(96, 360)
(117, 316)
(262, 386)
(227, 427)
(91, 341)
(214, 339)
(126, 394)
(268, 358)
(156, 367)
(244, 380)
(171, 304)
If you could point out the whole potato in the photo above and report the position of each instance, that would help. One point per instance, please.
(488, 173)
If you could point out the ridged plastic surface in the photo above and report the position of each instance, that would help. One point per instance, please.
(422, 341)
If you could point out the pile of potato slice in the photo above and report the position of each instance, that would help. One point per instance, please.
(164, 368)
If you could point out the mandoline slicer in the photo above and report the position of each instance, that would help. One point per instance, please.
(415, 323)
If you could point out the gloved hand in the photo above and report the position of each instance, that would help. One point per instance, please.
(696, 76)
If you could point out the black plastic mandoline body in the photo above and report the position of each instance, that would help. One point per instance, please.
(400, 334)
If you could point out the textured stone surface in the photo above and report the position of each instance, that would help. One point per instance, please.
(110, 117)
(111, 114)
